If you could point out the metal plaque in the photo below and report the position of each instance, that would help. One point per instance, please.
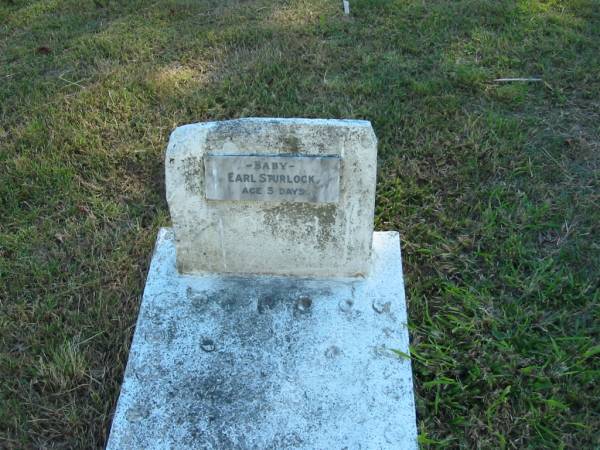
(313, 179)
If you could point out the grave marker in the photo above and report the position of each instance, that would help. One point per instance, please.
(271, 318)
(300, 192)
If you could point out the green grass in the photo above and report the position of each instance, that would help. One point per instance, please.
(494, 187)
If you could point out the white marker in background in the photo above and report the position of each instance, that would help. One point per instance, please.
(346, 7)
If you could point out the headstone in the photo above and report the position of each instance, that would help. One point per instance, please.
(273, 317)
(273, 196)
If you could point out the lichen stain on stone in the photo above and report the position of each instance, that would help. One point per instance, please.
(333, 136)
(193, 174)
(274, 135)
(199, 300)
(291, 219)
(266, 303)
(291, 143)
(237, 294)
(333, 352)
(137, 413)
(259, 329)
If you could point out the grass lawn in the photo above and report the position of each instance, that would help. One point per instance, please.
(495, 188)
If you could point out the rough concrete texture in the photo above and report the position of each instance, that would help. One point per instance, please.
(304, 239)
(266, 362)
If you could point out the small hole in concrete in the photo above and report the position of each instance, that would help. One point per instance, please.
(381, 307)
(303, 304)
(208, 345)
(346, 305)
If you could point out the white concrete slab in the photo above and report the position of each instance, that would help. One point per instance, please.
(269, 362)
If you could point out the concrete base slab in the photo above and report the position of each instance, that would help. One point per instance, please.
(269, 362)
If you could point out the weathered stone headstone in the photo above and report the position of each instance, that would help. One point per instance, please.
(299, 193)
(273, 317)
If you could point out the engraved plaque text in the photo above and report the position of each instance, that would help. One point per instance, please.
(313, 179)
